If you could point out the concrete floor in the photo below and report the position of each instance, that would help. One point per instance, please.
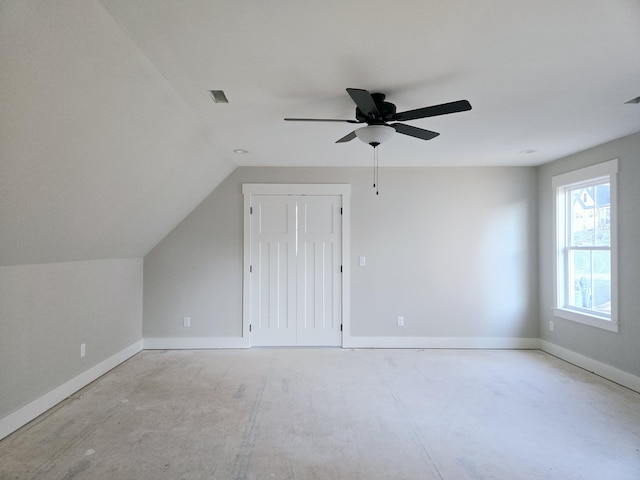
(335, 414)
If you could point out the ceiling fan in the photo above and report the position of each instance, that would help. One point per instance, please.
(377, 114)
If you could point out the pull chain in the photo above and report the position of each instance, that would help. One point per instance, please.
(377, 172)
(375, 154)
(376, 178)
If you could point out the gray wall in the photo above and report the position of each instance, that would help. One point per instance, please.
(453, 250)
(622, 349)
(48, 310)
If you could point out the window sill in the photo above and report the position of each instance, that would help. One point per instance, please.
(586, 319)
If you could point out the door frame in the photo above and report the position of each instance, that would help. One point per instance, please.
(341, 189)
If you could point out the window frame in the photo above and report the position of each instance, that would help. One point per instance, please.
(595, 174)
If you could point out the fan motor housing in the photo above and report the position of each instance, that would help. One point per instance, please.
(387, 110)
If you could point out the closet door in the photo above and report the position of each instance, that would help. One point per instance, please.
(295, 280)
(319, 303)
(273, 277)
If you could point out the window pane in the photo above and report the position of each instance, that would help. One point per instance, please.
(582, 213)
(602, 281)
(590, 280)
(603, 215)
(580, 278)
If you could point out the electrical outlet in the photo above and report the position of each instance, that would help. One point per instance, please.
(401, 321)
(82, 350)
(186, 321)
(551, 325)
(363, 261)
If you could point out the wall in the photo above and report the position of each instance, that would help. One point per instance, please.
(48, 310)
(619, 350)
(453, 250)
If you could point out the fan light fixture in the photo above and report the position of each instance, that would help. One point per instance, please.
(374, 135)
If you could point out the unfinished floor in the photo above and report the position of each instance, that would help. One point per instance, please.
(335, 414)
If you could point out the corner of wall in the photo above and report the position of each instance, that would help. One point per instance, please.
(32, 410)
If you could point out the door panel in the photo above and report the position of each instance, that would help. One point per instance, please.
(273, 299)
(318, 273)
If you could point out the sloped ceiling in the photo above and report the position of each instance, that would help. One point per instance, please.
(109, 137)
(100, 157)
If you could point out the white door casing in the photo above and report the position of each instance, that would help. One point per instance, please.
(295, 252)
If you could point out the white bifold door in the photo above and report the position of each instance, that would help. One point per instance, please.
(295, 270)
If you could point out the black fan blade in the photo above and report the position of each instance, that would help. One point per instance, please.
(443, 109)
(414, 131)
(347, 138)
(320, 120)
(364, 101)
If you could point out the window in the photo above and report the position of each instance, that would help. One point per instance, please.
(585, 245)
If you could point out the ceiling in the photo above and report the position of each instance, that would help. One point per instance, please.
(548, 76)
(109, 137)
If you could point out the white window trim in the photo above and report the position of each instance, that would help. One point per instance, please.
(559, 182)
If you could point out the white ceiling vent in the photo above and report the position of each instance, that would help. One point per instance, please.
(218, 96)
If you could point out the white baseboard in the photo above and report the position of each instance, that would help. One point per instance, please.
(189, 343)
(442, 342)
(24, 415)
(607, 371)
